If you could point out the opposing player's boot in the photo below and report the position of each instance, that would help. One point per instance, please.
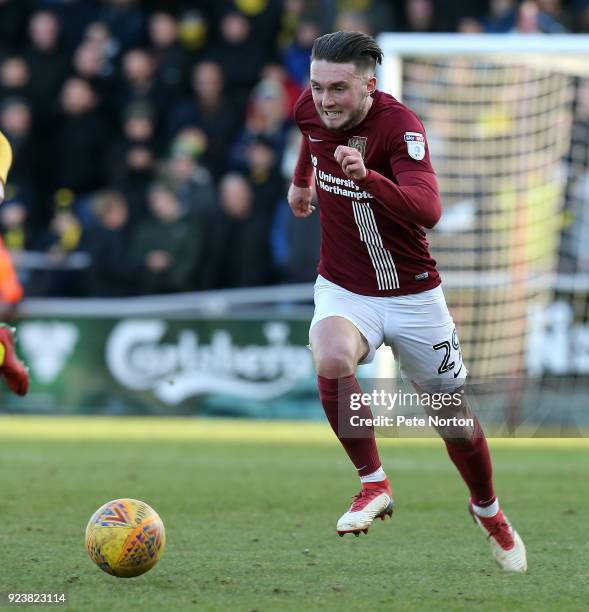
(506, 545)
(374, 500)
(13, 370)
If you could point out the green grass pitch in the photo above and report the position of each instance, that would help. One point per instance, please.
(250, 511)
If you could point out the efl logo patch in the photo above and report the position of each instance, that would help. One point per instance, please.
(358, 143)
(415, 145)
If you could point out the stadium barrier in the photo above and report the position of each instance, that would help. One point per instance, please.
(182, 354)
(239, 353)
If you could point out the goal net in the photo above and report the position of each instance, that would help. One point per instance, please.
(507, 119)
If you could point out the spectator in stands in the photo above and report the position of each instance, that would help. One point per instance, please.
(252, 36)
(297, 56)
(556, 10)
(531, 20)
(210, 110)
(15, 124)
(267, 184)
(126, 20)
(295, 246)
(193, 31)
(82, 140)
(65, 228)
(167, 245)
(266, 117)
(133, 158)
(247, 263)
(13, 225)
(112, 271)
(420, 16)
(501, 18)
(100, 35)
(140, 83)
(291, 90)
(293, 15)
(351, 21)
(48, 66)
(171, 59)
(91, 64)
(29, 173)
(192, 184)
(377, 15)
(73, 17)
(15, 78)
(62, 238)
(295, 242)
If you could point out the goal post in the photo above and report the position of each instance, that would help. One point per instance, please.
(499, 112)
(562, 52)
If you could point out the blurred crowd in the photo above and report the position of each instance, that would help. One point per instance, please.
(154, 141)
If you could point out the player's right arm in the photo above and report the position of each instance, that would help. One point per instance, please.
(5, 163)
(300, 193)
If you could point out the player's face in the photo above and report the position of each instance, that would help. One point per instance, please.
(341, 93)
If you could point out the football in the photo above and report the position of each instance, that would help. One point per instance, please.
(125, 537)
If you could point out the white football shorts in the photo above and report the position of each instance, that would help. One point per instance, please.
(418, 328)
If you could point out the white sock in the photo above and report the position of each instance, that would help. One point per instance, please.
(375, 476)
(488, 511)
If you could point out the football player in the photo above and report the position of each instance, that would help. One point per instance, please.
(377, 281)
(12, 369)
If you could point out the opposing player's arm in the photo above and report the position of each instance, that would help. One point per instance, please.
(5, 163)
(300, 193)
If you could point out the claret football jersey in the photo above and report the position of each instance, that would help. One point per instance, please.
(366, 246)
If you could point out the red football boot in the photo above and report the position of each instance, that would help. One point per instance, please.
(375, 500)
(507, 547)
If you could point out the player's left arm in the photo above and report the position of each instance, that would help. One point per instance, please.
(5, 163)
(415, 196)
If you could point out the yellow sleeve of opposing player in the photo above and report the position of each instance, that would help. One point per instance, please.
(5, 158)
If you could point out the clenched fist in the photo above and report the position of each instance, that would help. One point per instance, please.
(299, 200)
(351, 162)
